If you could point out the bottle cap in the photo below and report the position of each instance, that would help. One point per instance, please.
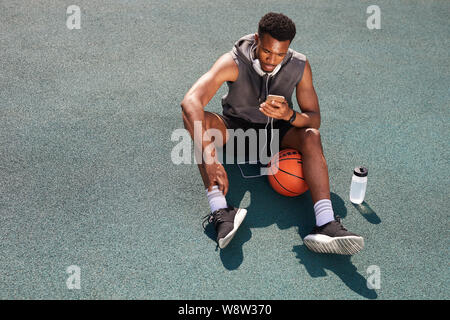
(361, 172)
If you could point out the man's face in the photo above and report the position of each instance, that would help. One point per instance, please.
(270, 51)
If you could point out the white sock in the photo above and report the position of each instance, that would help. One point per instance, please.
(216, 199)
(324, 212)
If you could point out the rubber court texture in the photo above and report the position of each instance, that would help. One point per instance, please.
(86, 120)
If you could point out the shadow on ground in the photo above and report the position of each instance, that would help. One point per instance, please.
(316, 264)
(267, 207)
(367, 212)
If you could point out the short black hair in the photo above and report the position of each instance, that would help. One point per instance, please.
(278, 26)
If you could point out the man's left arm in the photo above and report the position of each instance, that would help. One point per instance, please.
(307, 100)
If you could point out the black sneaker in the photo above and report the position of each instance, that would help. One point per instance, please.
(333, 238)
(226, 221)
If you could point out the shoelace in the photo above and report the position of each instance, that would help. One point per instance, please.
(339, 220)
(217, 216)
(206, 218)
(212, 217)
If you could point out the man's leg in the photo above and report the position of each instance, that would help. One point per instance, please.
(329, 236)
(213, 121)
(315, 169)
(226, 219)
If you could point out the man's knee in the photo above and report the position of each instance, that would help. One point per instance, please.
(310, 139)
(312, 134)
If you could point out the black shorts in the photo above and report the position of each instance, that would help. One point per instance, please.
(263, 133)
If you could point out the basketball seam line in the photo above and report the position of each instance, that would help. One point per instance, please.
(281, 184)
(290, 174)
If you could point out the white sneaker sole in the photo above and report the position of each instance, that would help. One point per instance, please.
(240, 215)
(340, 245)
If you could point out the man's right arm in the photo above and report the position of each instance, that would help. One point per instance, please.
(224, 69)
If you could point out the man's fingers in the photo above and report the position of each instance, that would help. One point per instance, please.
(268, 105)
(222, 185)
(275, 104)
(225, 190)
(270, 108)
(269, 112)
(217, 176)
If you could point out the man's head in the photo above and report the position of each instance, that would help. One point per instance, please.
(275, 33)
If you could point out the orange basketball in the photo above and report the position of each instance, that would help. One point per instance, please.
(286, 173)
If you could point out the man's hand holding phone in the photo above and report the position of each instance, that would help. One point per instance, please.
(276, 107)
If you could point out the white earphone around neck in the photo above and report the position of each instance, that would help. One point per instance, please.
(257, 67)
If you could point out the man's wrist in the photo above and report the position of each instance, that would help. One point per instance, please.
(291, 117)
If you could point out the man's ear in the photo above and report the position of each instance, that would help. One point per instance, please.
(257, 38)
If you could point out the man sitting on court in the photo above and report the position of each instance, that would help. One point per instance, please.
(261, 64)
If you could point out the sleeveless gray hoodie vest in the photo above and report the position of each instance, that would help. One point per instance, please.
(250, 89)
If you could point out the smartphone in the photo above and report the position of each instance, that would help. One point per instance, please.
(271, 97)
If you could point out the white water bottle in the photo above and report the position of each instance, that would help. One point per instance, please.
(359, 185)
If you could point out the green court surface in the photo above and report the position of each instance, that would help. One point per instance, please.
(87, 180)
